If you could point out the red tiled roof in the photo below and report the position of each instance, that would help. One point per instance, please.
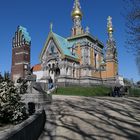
(37, 67)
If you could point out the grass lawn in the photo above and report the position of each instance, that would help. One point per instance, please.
(84, 91)
(134, 92)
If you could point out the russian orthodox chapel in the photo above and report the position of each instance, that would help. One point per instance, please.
(79, 59)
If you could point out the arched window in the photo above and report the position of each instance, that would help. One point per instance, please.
(66, 70)
(52, 49)
(57, 72)
(73, 73)
(53, 65)
(49, 65)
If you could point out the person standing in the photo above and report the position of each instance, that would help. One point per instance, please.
(50, 83)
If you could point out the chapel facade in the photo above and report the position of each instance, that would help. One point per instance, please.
(80, 58)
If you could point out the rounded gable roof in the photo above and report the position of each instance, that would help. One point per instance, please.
(37, 67)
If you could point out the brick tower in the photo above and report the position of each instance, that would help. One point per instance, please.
(20, 53)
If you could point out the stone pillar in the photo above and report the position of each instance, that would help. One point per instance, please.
(63, 71)
(69, 72)
(89, 56)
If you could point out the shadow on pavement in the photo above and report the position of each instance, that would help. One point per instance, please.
(93, 118)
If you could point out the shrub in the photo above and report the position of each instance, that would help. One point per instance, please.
(11, 108)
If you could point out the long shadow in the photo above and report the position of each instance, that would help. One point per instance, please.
(102, 124)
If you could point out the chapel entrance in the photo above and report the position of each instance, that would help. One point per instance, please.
(54, 72)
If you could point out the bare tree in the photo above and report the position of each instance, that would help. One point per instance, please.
(132, 16)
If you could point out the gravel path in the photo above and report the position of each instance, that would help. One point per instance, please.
(97, 118)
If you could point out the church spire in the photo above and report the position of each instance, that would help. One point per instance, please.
(110, 28)
(77, 17)
(111, 51)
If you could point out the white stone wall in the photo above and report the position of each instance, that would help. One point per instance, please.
(120, 80)
(39, 75)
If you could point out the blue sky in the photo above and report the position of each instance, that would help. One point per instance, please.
(36, 16)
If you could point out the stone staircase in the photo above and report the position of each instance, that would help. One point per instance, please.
(38, 94)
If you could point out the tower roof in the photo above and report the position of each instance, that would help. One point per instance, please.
(24, 33)
(76, 12)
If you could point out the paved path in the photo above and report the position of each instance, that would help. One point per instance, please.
(87, 118)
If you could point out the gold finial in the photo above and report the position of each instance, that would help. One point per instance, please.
(51, 26)
(110, 27)
(109, 24)
(76, 12)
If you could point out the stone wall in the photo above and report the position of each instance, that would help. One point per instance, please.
(30, 129)
(36, 94)
(84, 81)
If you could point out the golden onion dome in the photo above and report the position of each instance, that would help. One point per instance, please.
(110, 29)
(76, 13)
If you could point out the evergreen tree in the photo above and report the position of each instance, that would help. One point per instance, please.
(6, 76)
(1, 78)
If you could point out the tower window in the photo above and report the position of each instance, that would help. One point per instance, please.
(25, 67)
(74, 31)
(95, 60)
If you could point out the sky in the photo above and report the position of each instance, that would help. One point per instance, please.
(36, 16)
